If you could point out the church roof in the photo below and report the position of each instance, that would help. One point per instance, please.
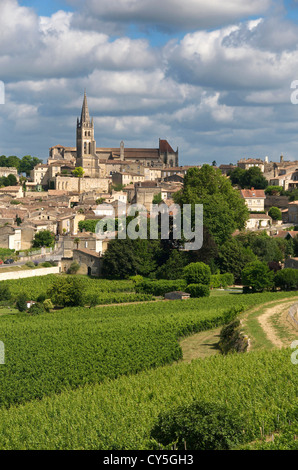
(85, 117)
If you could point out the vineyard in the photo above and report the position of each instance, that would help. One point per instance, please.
(39, 285)
(98, 369)
(260, 387)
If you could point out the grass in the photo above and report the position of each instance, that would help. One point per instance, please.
(200, 345)
(8, 311)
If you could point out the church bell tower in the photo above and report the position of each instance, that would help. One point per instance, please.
(86, 144)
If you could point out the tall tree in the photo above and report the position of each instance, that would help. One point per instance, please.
(224, 209)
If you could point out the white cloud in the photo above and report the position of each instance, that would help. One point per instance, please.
(217, 94)
(171, 14)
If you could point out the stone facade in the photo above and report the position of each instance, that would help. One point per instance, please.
(90, 262)
(81, 185)
(254, 199)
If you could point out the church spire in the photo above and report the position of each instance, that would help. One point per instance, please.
(85, 117)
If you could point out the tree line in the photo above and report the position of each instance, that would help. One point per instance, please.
(23, 165)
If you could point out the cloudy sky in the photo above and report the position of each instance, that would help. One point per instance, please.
(212, 77)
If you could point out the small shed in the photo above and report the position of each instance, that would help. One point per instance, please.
(177, 295)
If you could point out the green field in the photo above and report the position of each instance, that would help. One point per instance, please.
(97, 378)
(119, 414)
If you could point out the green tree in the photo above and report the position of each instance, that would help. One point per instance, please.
(201, 425)
(236, 176)
(73, 268)
(3, 161)
(275, 213)
(66, 292)
(43, 238)
(198, 290)
(274, 191)
(286, 279)
(197, 273)
(47, 304)
(233, 257)
(5, 293)
(100, 200)
(224, 209)
(125, 258)
(263, 246)
(78, 172)
(257, 276)
(157, 199)
(173, 267)
(13, 161)
(36, 309)
(28, 163)
(11, 180)
(21, 302)
(253, 178)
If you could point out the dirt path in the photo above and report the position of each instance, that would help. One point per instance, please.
(204, 344)
(265, 320)
(266, 324)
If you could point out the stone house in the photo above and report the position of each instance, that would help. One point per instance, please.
(11, 237)
(177, 295)
(14, 191)
(90, 262)
(5, 171)
(69, 223)
(258, 222)
(247, 163)
(126, 178)
(254, 199)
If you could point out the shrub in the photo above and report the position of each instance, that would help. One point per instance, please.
(228, 279)
(160, 287)
(286, 279)
(47, 305)
(66, 292)
(200, 426)
(30, 264)
(197, 273)
(36, 309)
(41, 298)
(274, 190)
(5, 293)
(73, 268)
(198, 290)
(47, 264)
(21, 302)
(257, 276)
(137, 279)
(275, 213)
(232, 339)
(222, 280)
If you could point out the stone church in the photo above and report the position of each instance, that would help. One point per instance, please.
(94, 160)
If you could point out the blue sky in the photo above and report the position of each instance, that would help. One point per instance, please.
(212, 77)
(47, 7)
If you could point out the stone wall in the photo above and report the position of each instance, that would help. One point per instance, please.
(66, 183)
(276, 201)
(5, 276)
